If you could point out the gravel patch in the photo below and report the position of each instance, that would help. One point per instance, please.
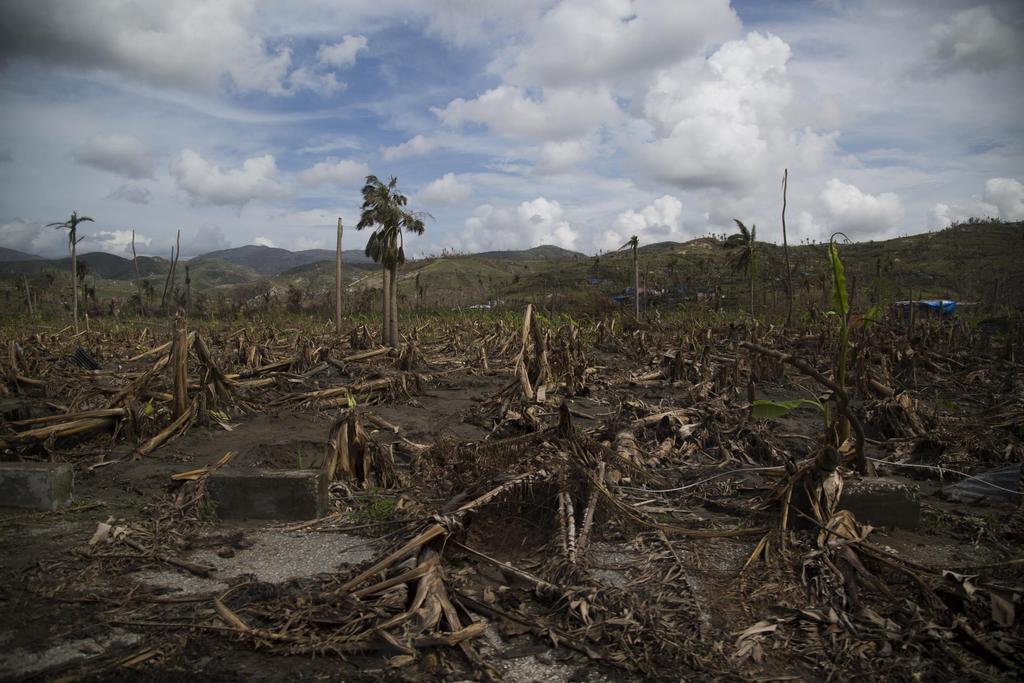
(274, 557)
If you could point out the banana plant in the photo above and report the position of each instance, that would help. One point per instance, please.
(841, 310)
(762, 409)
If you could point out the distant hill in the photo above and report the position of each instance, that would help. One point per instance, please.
(15, 255)
(976, 262)
(545, 252)
(216, 272)
(274, 260)
(98, 263)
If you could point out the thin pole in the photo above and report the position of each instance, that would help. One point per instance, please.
(785, 247)
(337, 282)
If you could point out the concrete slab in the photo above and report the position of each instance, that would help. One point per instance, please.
(275, 556)
(36, 485)
(883, 502)
(284, 495)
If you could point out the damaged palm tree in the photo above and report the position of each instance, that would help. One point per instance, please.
(384, 210)
(71, 225)
(532, 373)
(356, 457)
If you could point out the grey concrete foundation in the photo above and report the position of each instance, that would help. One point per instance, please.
(882, 502)
(285, 495)
(36, 485)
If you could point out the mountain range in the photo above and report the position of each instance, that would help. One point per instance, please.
(971, 262)
(240, 263)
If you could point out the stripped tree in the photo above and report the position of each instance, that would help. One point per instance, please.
(337, 282)
(71, 225)
(634, 243)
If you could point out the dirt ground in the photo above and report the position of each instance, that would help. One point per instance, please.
(758, 605)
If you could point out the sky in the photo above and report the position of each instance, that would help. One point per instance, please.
(570, 122)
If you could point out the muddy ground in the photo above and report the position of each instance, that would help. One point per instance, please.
(67, 613)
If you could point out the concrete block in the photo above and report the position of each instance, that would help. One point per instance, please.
(36, 485)
(285, 495)
(882, 502)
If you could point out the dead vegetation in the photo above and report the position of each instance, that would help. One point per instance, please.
(736, 555)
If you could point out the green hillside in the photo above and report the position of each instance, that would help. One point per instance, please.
(978, 262)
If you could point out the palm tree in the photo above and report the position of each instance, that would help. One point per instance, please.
(71, 225)
(384, 210)
(743, 260)
(634, 242)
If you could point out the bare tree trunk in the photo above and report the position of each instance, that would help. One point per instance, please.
(167, 282)
(337, 282)
(188, 293)
(785, 247)
(138, 282)
(179, 357)
(135, 257)
(28, 295)
(752, 290)
(74, 279)
(386, 308)
(636, 283)
(393, 320)
(171, 276)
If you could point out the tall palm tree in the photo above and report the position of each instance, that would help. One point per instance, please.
(633, 243)
(384, 210)
(742, 261)
(71, 225)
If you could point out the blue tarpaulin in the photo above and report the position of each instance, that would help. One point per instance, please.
(943, 307)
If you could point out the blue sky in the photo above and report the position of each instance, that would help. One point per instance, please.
(569, 122)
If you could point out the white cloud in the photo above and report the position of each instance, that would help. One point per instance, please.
(335, 172)
(204, 239)
(305, 78)
(124, 155)
(319, 77)
(721, 122)
(579, 41)
(184, 43)
(304, 243)
(659, 221)
(415, 146)
(942, 215)
(860, 215)
(475, 21)
(342, 54)
(445, 190)
(134, 194)
(559, 114)
(263, 242)
(976, 40)
(208, 183)
(532, 223)
(556, 156)
(114, 242)
(807, 227)
(34, 238)
(1007, 195)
